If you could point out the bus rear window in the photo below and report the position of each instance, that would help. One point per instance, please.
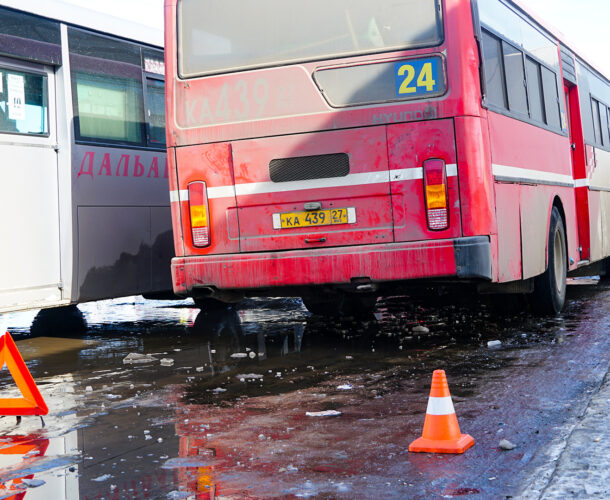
(217, 36)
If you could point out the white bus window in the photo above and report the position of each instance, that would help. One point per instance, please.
(155, 111)
(24, 104)
(106, 89)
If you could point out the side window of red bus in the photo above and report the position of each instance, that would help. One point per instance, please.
(596, 120)
(604, 125)
(494, 71)
(515, 78)
(597, 127)
(608, 123)
(551, 98)
(24, 107)
(534, 90)
(529, 92)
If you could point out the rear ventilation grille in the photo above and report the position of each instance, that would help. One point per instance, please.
(305, 168)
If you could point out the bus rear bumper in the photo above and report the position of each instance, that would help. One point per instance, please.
(464, 258)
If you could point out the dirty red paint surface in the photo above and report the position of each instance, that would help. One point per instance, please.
(504, 173)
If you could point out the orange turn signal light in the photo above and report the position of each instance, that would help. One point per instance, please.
(435, 190)
(199, 210)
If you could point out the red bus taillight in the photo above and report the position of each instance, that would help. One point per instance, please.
(435, 188)
(198, 205)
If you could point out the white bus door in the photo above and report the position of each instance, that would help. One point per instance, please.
(30, 272)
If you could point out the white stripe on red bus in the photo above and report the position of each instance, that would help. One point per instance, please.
(516, 174)
(362, 179)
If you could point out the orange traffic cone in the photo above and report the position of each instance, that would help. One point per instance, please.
(441, 429)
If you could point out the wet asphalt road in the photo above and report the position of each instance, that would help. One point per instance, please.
(227, 419)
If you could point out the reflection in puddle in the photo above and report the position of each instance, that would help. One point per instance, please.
(228, 417)
(16, 453)
(29, 462)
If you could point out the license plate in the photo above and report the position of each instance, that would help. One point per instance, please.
(311, 218)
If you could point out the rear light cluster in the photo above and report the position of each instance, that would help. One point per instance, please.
(199, 211)
(435, 188)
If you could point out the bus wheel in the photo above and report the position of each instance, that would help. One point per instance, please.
(340, 304)
(605, 274)
(550, 287)
(210, 304)
(59, 321)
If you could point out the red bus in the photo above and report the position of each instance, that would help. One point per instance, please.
(337, 150)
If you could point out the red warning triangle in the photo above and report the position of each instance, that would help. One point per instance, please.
(27, 446)
(32, 402)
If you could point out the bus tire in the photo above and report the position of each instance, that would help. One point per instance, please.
(550, 287)
(59, 321)
(340, 304)
(604, 276)
(210, 304)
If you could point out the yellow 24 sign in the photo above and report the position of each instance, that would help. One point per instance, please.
(426, 73)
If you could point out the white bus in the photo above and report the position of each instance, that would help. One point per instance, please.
(84, 199)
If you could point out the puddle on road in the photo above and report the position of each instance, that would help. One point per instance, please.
(228, 418)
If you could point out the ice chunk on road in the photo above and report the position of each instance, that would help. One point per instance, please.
(505, 444)
(494, 343)
(177, 495)
(136, 357)
(249, 376)
(325, 413)
(420, 329)
(182, 462)
(167, 362)
(99, 479)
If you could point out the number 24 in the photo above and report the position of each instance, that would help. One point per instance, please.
(423, 80)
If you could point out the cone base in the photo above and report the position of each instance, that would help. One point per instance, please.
(459, 445)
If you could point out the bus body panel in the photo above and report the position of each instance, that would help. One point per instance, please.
(365, 189)
(599, 202)
(601, 178)
(212, 164)
(477, 199)
(527, 180)
(285, 100)
(120, 192)
(29, 203)
(175, 203)
(89, 217)
(279, 112)
(505, 171)
(409, 145)
(464, 257)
